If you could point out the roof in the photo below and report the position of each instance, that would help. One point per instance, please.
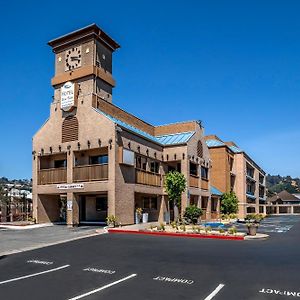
(236, 149)
(284, 196)
(164, 140)
(92, 29)
(215, 191)
(214, 143)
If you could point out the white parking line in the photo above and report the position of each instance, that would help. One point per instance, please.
(215, 292)
(103, 287)
(35, 274)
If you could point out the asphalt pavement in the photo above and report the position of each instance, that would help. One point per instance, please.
(120, 266)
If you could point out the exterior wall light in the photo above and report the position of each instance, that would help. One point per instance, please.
(110, 143)
(147, 152)
(88, 144)
(42, 151)
(78, 145)
(59, 148)
(99, 142)
(183, 156)
(69, 149)
(129, 145)
(51, 150)
(139, 149)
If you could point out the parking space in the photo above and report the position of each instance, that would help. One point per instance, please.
(145, 267)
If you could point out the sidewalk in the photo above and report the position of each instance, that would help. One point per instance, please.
(14, 241)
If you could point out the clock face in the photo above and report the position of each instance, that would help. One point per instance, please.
(73, 58)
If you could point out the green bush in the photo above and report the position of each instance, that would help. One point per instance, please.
(192, 214)
(232, 230)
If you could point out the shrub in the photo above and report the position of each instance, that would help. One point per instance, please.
(183, 228)
(207, 229)
(162, 226)
(232, 230)
(192, 214)
(221, 230)
(111, 220)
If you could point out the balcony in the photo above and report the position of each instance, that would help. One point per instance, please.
(90, 173)
(204, 184)
(194, 181)
(147, 178)
(52, 176)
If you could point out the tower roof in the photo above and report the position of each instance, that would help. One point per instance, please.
(90, 31)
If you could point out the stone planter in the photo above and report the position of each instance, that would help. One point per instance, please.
(252, 229)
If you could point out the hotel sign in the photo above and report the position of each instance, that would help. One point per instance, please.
(68, 96)
(70, 186)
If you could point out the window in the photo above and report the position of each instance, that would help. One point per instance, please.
(150, 203)
(204, 173)
(62, 163)
(141, 162)
(101, 204)
(99, 160)
(193, 169)
(154, 167)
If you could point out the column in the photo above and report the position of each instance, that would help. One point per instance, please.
(72, 209)
(208, 209)
(292, 209)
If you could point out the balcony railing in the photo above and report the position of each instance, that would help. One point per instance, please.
(204, 184)
(194, 181)
(147, 178)
(52, 176)
(90, 173)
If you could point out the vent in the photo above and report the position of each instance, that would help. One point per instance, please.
(200, 149)
(70, 129)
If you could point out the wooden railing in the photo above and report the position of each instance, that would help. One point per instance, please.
(51, 176)
(194, 181)
(147, 178)
(204, 184)
(90, 173)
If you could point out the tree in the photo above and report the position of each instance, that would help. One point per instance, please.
(229, 203)
(175, 184)
(192, 214)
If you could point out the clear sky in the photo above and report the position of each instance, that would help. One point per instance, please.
(235, 65)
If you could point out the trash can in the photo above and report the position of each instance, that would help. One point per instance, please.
(145, 217)
(167, 217)
(137, 219)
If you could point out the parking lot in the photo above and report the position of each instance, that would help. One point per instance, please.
(119, 266)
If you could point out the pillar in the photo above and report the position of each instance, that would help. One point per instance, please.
(72, 209)
(292, 209)
(208, 209)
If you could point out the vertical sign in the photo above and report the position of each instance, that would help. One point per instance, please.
(68, 96)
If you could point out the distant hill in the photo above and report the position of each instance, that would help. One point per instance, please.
(277, 183)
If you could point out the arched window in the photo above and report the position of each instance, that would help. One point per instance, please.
(200, 149)
(70, 129)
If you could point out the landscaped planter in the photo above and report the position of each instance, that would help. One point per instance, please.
(252, 230)
(179, 234)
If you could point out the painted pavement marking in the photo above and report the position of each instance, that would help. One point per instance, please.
(215, 292)
(103, 287)
(96, 270)
(280, 292)
(173, 280)
(34, 274)
(41, 262)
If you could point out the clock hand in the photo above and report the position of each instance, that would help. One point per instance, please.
(75, 58)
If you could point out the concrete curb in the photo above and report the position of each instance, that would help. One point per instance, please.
(258, 236)
(186, 235)
(50, 244)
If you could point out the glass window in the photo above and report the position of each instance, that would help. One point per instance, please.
(193, 169)
(99, 159)
(60, 163)
(101, 204)
(153, 203)
(154, 167)
(204, 173)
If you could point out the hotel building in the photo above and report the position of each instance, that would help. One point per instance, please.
(233, 170)
(92, 159)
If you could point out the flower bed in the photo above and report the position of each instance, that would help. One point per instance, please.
(186, 231)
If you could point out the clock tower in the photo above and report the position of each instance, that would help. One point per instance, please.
(83, 66)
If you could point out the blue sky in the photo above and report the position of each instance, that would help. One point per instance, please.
(235, 65)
